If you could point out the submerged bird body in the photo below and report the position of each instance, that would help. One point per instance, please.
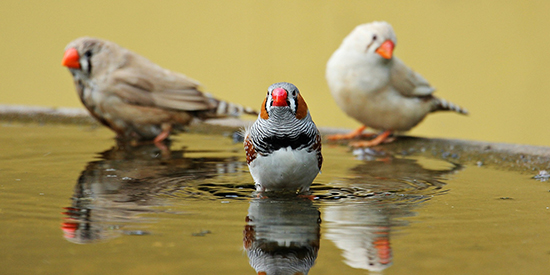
(134, 97)
(283, 146)
(376, 88)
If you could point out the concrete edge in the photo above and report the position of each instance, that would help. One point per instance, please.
(461, 151)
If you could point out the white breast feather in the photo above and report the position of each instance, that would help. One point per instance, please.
(285, 169)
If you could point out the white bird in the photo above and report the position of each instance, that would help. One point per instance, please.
(376, 88)
(283, 146)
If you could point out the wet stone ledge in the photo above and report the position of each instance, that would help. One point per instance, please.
(43, 115)
(511, 157)
(523, 158)
(79, 116)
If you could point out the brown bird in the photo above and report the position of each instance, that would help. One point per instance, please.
(376, 88)
(136, 98)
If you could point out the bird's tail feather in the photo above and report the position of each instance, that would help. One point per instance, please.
(224, 108)
(444, 105)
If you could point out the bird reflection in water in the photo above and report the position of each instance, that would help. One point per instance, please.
(112, 193)
(373, 202)
(282, 235)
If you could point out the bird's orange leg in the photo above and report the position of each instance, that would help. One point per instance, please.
(376, 141)
(308, 197)
(382, 244)
(351, 135)
(166, 129)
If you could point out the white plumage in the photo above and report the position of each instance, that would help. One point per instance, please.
(285, 169)
(376, 88)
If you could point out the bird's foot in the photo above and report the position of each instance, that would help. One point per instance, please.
(382, 138)
(162, 136)
(308, 197)
(351, 135)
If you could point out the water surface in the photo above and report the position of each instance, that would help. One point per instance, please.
(73, 201)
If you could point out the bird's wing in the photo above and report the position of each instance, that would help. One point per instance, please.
(408, 82)
(154, 86)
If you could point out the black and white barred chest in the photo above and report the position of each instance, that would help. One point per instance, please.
(282, 130)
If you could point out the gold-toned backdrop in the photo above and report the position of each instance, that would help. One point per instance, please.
(489, 56)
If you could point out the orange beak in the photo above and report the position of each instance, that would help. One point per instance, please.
(279, 97)
(71, 59)
(386, 49)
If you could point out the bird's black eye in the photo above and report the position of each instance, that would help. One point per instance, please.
(374, 37)
(88, 56)
(293, 93)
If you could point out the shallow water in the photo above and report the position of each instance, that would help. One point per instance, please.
(71, 201)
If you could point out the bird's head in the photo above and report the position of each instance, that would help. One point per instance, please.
(283, 97)
(86, 56)
(376, 39)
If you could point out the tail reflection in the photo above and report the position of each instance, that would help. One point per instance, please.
(282, 235)
(113, 193)
(373, 201)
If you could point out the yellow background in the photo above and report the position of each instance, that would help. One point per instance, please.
(488, 56)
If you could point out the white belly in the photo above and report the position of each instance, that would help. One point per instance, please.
(387, 110)
(285, 169)
(364, 92)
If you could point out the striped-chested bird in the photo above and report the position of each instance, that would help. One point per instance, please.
(283, 146)
(136, 98)
(376, 88)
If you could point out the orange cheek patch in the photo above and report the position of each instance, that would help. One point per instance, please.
(263, 113)
(317, 147)
(249, 149)
(301, 112)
